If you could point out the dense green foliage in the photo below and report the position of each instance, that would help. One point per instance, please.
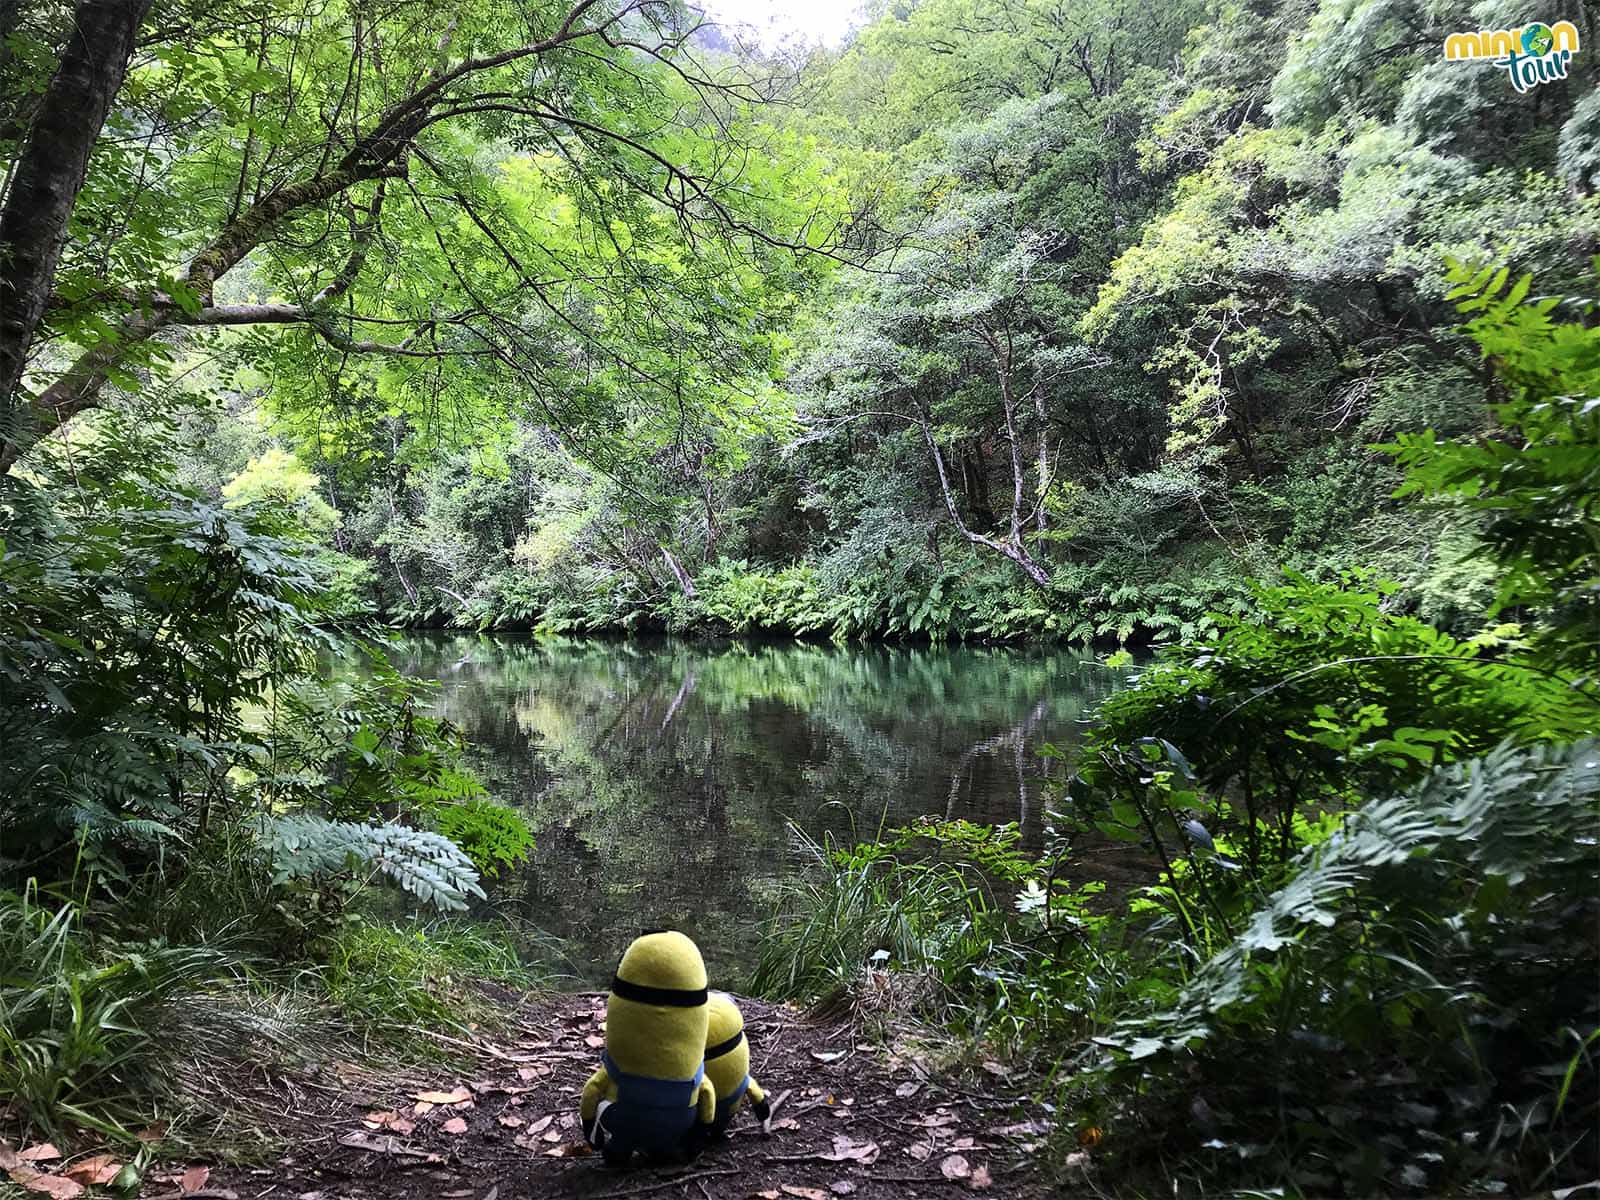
(1372, 848)
(189, 798)
(1117, 343)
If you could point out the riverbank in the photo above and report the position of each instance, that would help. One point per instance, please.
(1086, 607)
(854, 1115)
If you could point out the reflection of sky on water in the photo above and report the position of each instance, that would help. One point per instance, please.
(662, 776)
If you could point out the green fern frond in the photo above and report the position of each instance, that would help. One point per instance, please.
(428, 865)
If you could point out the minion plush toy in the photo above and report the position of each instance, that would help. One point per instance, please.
(728, 1065)
(650, 1095)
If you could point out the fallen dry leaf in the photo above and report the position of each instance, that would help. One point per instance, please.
(956, 1167)
(921, 1151)
(786, 1123)
(455, 1125)
(8, 1157)
(939, 1119)
(59, 1187)
(981, 1179)
(540, 1125)
(154, 1133)
(421, 1108)
(569, 1150)
(194, 1179)
(459, 1095)
(842, 1187)
(97, 1171)
(510, 1121)
(848, 1150)
(43, 1152)
(1021, 1129)
(390, 1120)
(994, 1068)
(804, 1193)
(767, 1194)
(594, 1041)
(1077, 1160)
(552, 1135)
(828, 1056)
(907, 1090)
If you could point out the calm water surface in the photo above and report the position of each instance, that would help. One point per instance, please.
(663, 777)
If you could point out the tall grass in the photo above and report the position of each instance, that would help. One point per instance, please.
(75, 1041)
(106, 1034)
(853, 910)
(394, 980)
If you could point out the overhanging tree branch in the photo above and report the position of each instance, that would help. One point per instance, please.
(380, 153)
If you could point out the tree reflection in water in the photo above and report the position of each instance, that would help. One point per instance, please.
(662, 776)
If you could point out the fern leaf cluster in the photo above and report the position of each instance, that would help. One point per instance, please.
(428, 865)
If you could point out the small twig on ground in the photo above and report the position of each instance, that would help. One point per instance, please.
(772, 1041)
(819, 1102)
(673, 1182)
(480, 1048)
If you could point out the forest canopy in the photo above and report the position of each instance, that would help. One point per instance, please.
(998, 321)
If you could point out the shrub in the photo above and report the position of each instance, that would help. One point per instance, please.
(1401, 1031)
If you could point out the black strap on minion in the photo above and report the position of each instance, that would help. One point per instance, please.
(727, 1047)
(668, 997)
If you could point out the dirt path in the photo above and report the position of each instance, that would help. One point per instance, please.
(852, 1120)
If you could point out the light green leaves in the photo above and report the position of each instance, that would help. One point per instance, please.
(428, 865)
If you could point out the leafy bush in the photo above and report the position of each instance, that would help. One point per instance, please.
(1386, 997)
(1319, 697)
(741, 599)
(183, 759)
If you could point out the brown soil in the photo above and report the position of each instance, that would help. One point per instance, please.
(851, 1119)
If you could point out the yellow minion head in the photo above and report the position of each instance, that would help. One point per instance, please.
(656, 1014)
(725, 1022)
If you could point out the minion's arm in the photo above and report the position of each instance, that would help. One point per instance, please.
(598, 1088)
(705, 1102)
(759, 1104)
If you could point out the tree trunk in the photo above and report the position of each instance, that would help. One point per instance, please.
(1044, 456)
(1012, 549)
(679, 574)
(1008, 407)
(50, 173)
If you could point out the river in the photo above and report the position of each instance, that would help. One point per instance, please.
(666, 779)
